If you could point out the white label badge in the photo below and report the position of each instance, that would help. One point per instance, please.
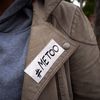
(44, 61)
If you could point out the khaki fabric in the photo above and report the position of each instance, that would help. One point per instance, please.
(75, 74)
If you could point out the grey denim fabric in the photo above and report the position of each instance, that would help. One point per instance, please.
(15, 24)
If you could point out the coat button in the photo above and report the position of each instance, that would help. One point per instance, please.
(66, 46)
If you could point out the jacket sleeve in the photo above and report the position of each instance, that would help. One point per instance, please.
(85, 62)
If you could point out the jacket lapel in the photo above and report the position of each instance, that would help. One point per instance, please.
(41, 33)
(40, 36)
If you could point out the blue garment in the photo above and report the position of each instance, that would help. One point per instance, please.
(15, 26)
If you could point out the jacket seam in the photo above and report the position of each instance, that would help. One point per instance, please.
(73, 29)
(63, 28)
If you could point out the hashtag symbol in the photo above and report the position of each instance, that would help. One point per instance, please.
(38, 73)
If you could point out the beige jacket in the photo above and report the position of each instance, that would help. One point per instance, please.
(75, 74)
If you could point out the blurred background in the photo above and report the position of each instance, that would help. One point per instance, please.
(91, 8)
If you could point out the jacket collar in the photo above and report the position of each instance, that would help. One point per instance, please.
(50, 5)
(42, 9)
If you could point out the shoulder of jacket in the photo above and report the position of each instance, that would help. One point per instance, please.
(74, 23)
(64, 14)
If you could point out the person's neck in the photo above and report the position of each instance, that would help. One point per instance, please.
(4, 4)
